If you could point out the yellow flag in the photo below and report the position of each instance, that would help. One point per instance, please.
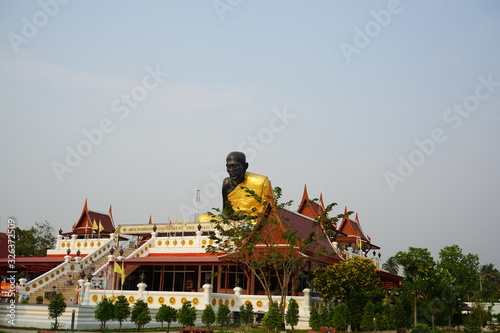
(101, 228)
(94, 226)
(120, 270)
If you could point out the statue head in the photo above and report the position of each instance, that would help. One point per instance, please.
(236, 166)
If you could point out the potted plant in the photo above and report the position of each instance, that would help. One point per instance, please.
(39, 299)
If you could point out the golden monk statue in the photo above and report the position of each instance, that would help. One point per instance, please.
(235, 189)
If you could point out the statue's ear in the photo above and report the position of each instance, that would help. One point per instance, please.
(246, 166)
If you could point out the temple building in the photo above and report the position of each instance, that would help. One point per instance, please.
(167, 263)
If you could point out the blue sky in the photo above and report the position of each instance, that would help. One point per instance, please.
(390, 108)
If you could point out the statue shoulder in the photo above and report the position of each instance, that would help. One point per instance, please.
(256, 177)
(226, 182)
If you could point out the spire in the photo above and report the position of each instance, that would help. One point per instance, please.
(356, 218)
(321, 202)
(305, 194)
(150, 220)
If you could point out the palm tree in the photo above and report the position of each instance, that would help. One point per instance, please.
(489, 279)
(391, 265)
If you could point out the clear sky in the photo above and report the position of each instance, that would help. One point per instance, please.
(391, 108)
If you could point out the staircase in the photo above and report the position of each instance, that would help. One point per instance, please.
(67, 283)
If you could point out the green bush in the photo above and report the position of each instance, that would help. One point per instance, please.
(421, 328)
(39, 299)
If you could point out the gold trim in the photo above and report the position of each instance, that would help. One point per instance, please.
(196, 301)
(151, 300)
(131, 299)
(172, 300)
(161, 300)
(95, 298)
(259, 304)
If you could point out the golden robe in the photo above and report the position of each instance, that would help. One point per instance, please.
(245, 203)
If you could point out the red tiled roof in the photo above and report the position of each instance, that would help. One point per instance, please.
(304, 225)
(310, 208)
(85, 223)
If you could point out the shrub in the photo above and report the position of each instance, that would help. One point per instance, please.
(122, 309)
(186, 314)
(272, 319)
(140, 314)
(56, 308)
(208, 316)
(166, 314)
(104, 311)
(223, 316)
(421, 328)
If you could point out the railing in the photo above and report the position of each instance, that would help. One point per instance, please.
(66, 267)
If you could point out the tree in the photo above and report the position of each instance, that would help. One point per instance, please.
(417, 265)
(391, 265)
(208, 315)
(56, 308)
(489, 278)
(345, 280)
(223, 316)
(340, 316)
(140, 314)
(34, 241)
(166, 314)
(367, 321)
(246, 314)
(266, 247)
(464, 272)
(292, 313)
(272, 318)
(187, 314)
(104, 311)
(122, 309)
(314, 319)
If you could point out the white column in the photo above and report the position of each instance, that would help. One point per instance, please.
(141, 289)
(73, 241)
(86, 294)
(207, 293)
(307, 300)
(237, 292)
